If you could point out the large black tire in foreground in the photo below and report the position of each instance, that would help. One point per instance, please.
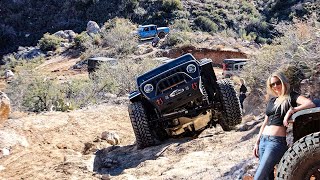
(140, 125)
(302, 160)
(231, 114)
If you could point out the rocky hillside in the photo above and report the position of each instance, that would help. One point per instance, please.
(23, 22)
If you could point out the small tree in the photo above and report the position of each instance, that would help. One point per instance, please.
(206, 24)
(49, 42)
(117, 34)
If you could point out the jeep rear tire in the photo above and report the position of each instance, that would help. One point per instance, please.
(301, 161)
(140, 125)
(161, 35)
(231, 111)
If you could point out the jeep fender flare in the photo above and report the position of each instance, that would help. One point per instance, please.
(208, 77)
(135, 96)
(306, 122)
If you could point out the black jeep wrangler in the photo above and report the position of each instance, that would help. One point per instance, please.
(302, 160)
(181, 97)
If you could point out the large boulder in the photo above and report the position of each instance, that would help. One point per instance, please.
(4, 107)
(68, 35)
(28, 53)
(92, 27)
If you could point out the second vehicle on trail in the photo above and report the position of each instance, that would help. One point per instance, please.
(151, 30)
(181, 97)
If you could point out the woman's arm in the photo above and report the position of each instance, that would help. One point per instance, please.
(256, 146)
(304, 103)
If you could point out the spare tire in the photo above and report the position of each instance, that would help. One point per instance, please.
(140, 125)
(302, 160)
(231, 110)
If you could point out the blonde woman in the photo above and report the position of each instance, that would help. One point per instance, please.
(271, 143)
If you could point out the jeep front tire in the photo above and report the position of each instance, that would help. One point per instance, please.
(301, 161)
(231, 111)
(140, 125)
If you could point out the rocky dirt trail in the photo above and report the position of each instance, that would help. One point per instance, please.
(68, 145)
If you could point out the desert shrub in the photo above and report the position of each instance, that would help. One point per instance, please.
(49, 42)
(205, 24)
(76, 93)
(83, 41)
(117, 34)
(177, 38)
(30, 90)
(121, 78)
(295, 54)
(40, 94)
(171, 5)
(182, 25)
(180, 14)
(227, 33)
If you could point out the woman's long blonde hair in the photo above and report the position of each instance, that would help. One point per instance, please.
(283, 100)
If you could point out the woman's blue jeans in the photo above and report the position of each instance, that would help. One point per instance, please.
(271, 150)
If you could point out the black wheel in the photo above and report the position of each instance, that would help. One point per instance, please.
(161, 35)
(228, 76)
(140, 125)
(231, 111)
(302, 160)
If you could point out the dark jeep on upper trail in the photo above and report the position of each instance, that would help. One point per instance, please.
(181, 97)
(302, 160)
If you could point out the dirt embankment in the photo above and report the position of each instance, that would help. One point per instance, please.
(217, 56)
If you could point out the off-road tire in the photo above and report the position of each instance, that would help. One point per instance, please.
(161, 35)
(231, 111)
(302, 160)
(140, 125)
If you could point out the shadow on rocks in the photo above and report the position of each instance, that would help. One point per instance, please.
(115, 159)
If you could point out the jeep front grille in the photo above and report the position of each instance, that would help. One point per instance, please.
(171, 80)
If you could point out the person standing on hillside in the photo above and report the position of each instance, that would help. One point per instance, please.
(243, 91)
(271, 142)
(155, 41)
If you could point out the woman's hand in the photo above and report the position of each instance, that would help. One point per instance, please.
(256, 150)
(287, 116)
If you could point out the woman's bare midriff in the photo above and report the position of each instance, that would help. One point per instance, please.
(273, 130)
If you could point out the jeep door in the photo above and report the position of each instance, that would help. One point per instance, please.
(147, 32)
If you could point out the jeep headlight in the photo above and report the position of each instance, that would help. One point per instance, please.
(191, 68)
(148, 88)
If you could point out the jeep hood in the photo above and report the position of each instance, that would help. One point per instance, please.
(164, 67)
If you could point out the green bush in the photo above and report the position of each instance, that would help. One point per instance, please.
(182, 25)
(117, 34)
(177, 38)
(49, 42)
(180, 14)
(76, 94)
(171, 5)
(40, 94)
(83, 41)
(121, 78)
(206, 24)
